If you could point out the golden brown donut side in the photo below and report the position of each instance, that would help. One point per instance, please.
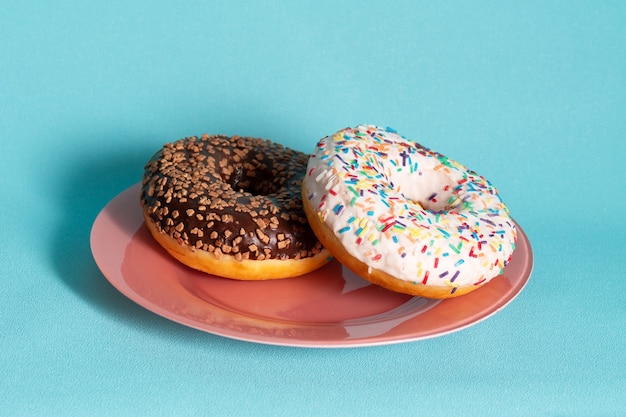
(375, 276)
(228, 267)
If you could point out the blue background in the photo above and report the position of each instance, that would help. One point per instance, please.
(532, 95)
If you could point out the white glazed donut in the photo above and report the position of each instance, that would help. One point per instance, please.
(405, 217)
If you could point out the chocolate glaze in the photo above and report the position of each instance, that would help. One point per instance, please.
(231, 196)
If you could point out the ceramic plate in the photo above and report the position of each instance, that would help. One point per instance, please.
(330, 307)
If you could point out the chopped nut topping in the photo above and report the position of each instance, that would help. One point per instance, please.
(239, 197)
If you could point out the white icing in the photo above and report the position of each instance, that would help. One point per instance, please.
(411, 212)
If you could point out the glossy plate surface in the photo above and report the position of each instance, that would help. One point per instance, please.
(331, 307)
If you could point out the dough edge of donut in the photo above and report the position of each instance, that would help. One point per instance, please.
(376, 276)
(230, 268)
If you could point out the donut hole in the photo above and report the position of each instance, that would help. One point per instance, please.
(255, 180)
(432, 190)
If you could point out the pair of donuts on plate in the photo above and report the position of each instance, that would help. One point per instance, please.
(396, 213)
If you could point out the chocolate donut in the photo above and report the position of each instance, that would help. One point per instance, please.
(232, 207)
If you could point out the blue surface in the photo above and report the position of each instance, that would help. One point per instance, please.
(530, 95)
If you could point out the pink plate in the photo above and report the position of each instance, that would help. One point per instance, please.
(331, 307)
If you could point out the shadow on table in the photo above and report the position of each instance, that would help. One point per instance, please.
(88, 183)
